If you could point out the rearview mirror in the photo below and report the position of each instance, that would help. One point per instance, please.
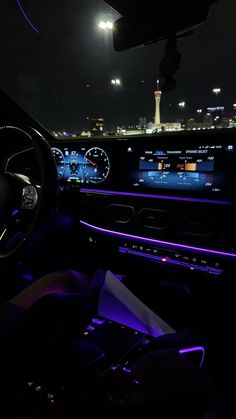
(144, 22)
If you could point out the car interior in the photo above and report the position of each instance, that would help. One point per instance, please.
(158, 211)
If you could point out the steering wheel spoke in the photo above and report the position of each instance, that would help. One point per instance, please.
(15, 229)
(10, 237)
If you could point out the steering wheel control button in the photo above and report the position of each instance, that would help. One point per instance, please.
(29, 197)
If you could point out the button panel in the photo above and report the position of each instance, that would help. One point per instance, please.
(185, 260)
(29, 197)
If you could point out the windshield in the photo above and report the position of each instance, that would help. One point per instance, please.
(59, 64)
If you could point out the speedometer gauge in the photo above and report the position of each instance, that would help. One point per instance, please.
(60, 161)
(97, 165)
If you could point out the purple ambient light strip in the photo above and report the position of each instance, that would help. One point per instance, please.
(155, 241)
(194, 349)
(26, 17)
(168, 197)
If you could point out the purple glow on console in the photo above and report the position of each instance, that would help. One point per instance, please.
(170, 261)
(194, 349)
(152, 196)
(26, 17)
(155, 241)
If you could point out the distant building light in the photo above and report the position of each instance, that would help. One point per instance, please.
(199, 110)
(182, 104)
(216, 108)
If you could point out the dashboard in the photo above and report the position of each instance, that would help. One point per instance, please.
(176, 191)
(194, 169)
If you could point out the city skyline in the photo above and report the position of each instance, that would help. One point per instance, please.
(64, 73)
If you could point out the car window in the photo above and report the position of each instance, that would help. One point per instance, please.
(58, 62)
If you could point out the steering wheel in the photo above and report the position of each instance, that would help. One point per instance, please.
(26, 206)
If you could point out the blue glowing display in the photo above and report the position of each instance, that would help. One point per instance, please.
(81, 165)
(202, 168)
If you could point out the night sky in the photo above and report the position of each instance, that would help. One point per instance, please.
(49, 73)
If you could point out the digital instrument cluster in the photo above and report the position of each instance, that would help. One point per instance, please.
(82, 166)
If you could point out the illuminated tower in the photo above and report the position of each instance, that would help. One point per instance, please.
(157, 95)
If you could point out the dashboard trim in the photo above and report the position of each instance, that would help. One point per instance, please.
(152, 196)
(156, 241)
(194, 349)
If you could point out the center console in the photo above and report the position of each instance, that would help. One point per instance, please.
(99, 362)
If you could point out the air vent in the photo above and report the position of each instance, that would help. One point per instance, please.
(151, 218)
(195, 225)
(118, 213)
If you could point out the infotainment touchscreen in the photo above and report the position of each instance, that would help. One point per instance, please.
(207, 169)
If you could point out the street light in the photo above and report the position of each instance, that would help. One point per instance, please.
(182, 104)
(109, 25)
(116, 82)
(216, 90)
(105, 25)
(199, 110)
